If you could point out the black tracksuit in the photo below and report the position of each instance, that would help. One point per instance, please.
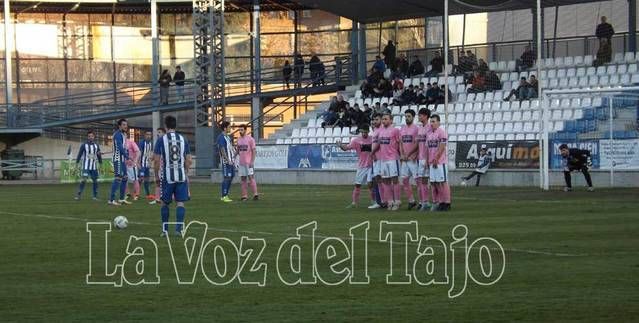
(577, 159)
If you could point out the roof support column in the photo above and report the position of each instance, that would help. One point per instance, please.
(8, 88)
(632, 25)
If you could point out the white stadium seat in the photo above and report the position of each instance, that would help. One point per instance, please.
(579, 60)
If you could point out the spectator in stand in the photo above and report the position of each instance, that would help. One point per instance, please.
(478, 83)
(526, 60)
(482, 67)
(343, 118)
(420, 96)
(178, 78)
(298, 69)
(493, 83)
(378, 107)
(604, 30)
(366, 115)
(533, 89)
(398, 84)
(314, 69)
(441, 98)
(322, 73)
(383, 89)
(472, 59)
(463, 65)
(287, 71)
(386, 108)
(521, 92)
(407, 97)
(379, 65)
(604, 54)
(390, 53)
(402, 65)
(367, 89)
(437, 65)
(432, 93)
(165, 82)
(416, 67)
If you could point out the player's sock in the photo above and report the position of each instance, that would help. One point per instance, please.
(146, 188)
(164, 212)
(378, 196)
(136, 188)
(81, 187)
(157, 192)
(114, 187)
(356, 193)
(180, 211)
(244, 186)
(445, 193)
(381, 187)
(253, 184)
(388, 193)
(373, 195)
(123, 188)
(436, 193)
(397, 191)
(408, 190)
(95, 188)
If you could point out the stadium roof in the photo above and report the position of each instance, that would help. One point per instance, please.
(368, 11)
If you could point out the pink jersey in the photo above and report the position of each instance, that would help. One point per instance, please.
(409, 140)
(375, 136)
(388, 140)
(134, 152)
(422, 135)
(435, 138)
(245, 146)
(363, 148)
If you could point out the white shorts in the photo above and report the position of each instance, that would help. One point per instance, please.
(409, 169)
(363, 176)
(421, 170)
(245, 171)
(377, 168)
(132, 173)
(439, 174)
(390, 168)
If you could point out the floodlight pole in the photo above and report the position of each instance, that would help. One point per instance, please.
(8, 88)
(445, 53)
(155, 90)
(543, 140)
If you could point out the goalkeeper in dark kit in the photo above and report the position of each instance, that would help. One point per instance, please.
(575, 160)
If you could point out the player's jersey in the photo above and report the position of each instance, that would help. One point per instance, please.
(120, 153)
(409, 140)
(375, 136)
(483, 163)
(422, 143)
(173, 149)
(363, 147)
(90, 155)
(146, 151)
(225, 146)
(435, 138)
(388, 140)
(245, 146)
(134, 153)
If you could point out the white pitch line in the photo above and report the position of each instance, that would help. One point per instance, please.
(515, 250)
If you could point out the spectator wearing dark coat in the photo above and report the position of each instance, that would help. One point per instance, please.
(604, 30)
(178, 78)
(436, 64)
(298, 69)
(402, 66)
(493, 83)
(287, 71)
(416, 67)
(165, 82)
(526, 60)
(314, 67)
(390, 53)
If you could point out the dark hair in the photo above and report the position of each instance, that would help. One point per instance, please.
(244, 126)
(435, 116)
(90, 131)
(483, 149)
(178, 67)
(120, 121)
(533, 75)
(424, 112)
(148, 130)
(410, 111)
(160, 128)
(224, 125)
(364, 127)
(523, 78)
(563, 146)
(170, 122)
(377, 115)
(387, 113)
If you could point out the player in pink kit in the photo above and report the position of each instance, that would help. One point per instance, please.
(388, 139)
(363, 146)
(132, 166)
(423, 171)
(438, 160)
(376, 170)
(246, 150)
(408, 155)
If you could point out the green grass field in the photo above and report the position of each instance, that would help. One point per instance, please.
(569, 257)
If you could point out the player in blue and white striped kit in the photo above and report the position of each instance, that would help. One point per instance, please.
(173, 155)
(120, 156)
(146, 157)
(90, 156)
(227, 154)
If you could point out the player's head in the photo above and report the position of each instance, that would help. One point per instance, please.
(424, 115)
(482, 151)
(90, 135)
(603, 19)
(243, 130)
(410, 116)
(364, 130)
(123, 125)
(434, 121)
(387, 120)
(148, 135)
(170, 123)
(160, 132)
(377, 120)
(563, 149)
(225, 126)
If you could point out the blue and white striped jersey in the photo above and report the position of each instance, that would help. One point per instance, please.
(225, 147)
(90, 155)
(173, 149)
(120, 153)
(146, 153)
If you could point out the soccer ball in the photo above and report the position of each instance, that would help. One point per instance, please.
(120, 222)
(463, 183)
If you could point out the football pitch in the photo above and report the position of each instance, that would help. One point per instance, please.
(568, 257)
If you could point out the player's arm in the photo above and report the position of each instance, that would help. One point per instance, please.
(441, 149)
(188, 161)
(99, 154)
(118, 145)
(253, 155)
(415, 149)
(157, 159)
(221, 146)
(402, 155)
(80, 154)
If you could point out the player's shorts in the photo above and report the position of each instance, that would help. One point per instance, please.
(90, 173)
(409, 169)
(421, 170)
(363, 176)
(228, 170)
(132, 173)
(144, 172)
(245, 170)
(390, 168)
(175, 191)
(439, 174)
(119, 169)
(377, 168)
